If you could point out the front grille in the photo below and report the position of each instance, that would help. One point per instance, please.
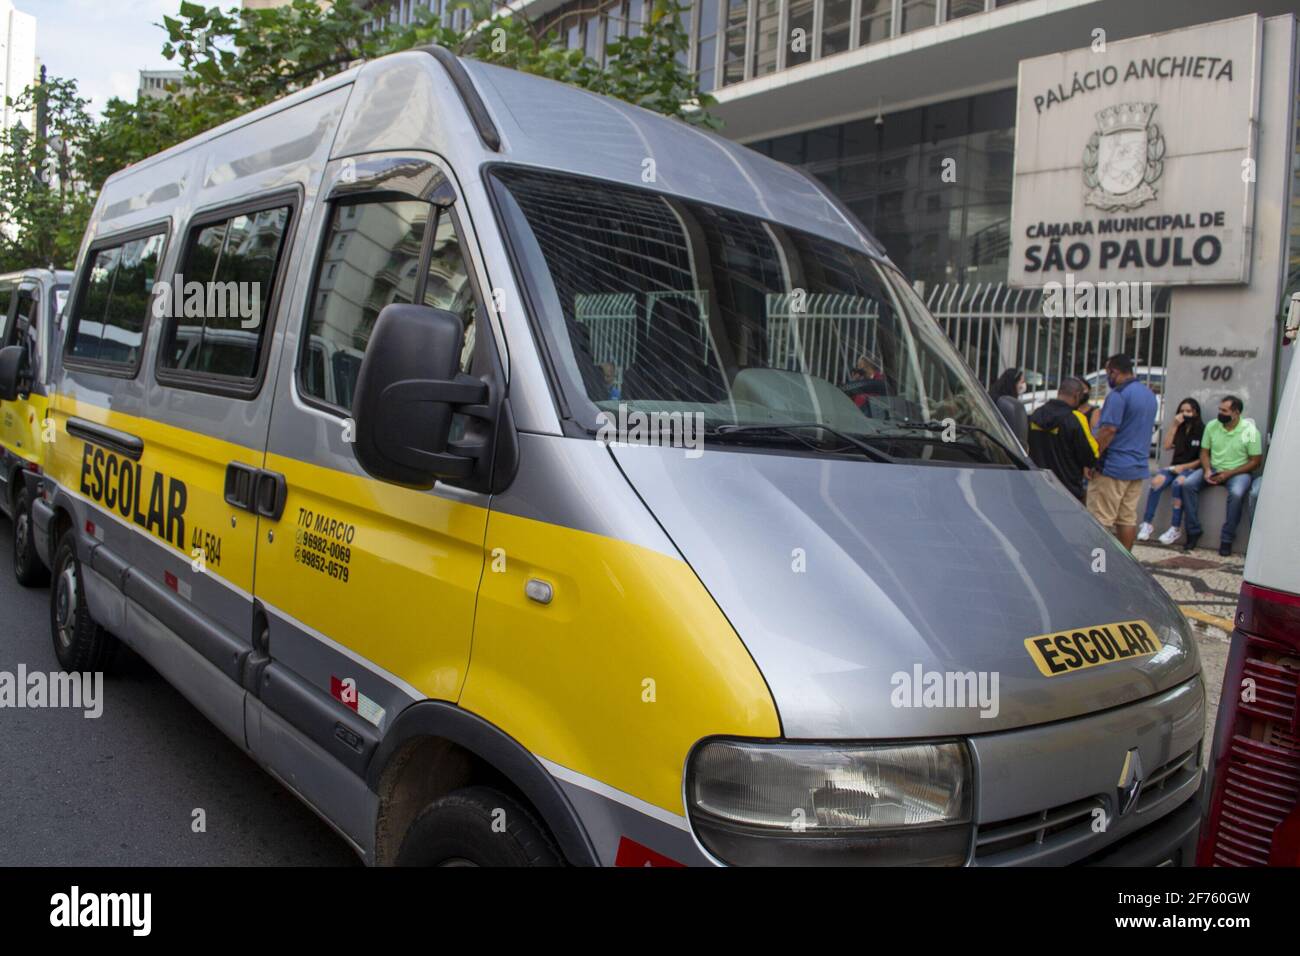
(1070, 822)
(1168, 779)
(1044, 828)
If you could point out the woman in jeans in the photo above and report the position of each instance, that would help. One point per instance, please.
(1184, 438)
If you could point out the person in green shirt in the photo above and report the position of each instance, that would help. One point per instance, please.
(1231, 449)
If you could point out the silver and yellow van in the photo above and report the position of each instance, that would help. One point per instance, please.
(30, 303)
(524, 478)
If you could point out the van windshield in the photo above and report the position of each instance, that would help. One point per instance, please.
(656, 304)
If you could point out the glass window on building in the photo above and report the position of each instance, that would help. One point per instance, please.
(876, 22)
(836, 17)
(767, 39)
(614, 19)
(592, 44)
(707, 47)
(733, 52)
(918, 14)
(799, 39)
(635, 17)
(964, 8)
(890, 173)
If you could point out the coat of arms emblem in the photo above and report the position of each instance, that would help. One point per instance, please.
(1124, 157)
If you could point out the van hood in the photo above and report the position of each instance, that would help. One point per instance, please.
(855, 586)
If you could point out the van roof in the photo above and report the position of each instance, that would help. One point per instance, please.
(59, 276)
(553, 125)
(399, 102)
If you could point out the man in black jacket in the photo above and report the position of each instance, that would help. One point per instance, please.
(1057, 440)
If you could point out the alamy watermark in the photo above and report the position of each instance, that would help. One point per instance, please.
(37, 689)
(212, 300)
(631, 426)
(946, 689)
(1098, 300)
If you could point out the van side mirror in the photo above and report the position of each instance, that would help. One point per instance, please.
(15, 372)
(408, 389)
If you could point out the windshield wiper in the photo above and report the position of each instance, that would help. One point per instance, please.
(792, 429)
(938, 426)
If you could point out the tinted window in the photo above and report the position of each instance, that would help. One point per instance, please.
(114, 306)
(221, 294)
(26, 318)
(6, 296)
(372, 258)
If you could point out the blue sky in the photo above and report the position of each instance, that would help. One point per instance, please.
(102, 44)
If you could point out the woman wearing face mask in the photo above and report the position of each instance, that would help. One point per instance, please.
(1006, 392)
(1183, 437)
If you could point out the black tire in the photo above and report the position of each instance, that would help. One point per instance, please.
(27, 563)
(457, 830)
(79, 643)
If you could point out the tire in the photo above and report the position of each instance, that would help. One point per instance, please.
(27, 563)
(457, 830)
(79, 643)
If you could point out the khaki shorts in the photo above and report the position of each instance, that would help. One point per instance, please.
(1113, 501)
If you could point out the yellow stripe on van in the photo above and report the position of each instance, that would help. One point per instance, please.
(186, 468)
(386, 571)
(21, 428)
(617, 678)
(630, 664)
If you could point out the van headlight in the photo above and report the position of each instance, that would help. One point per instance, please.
(781, 804)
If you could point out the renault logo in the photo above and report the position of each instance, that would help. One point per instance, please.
(1130, 782)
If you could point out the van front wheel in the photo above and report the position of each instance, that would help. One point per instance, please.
(27, 563)
(79, 643)
(476, 826)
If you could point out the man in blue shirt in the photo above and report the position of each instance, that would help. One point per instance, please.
(1124, 441)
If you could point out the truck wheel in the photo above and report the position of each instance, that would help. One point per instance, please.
(79, 643)
(27, 564)
(476, 826)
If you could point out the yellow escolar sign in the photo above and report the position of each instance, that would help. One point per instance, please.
(1067, 651)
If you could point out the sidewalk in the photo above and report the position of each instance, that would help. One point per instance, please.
(1205, 586)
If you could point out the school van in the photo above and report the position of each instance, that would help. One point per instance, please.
(30, 303)
(474, 451)
(1253, 810)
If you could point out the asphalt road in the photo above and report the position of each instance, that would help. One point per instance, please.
(121, 789)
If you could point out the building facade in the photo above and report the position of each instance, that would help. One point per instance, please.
(19, 67)
(873, 96)
(159, 84)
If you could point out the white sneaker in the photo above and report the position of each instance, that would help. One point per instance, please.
(1171, 536)
(1144, 532)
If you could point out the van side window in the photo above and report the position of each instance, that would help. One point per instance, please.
(217, 319)
(26, 311)
(111, 312)
(6, 296)
(26, 318)
(371, 258)
(448, 283)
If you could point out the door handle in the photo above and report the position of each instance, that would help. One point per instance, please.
(257, 490)
(241, 485)
(272, 490)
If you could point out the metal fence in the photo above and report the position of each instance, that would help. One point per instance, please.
(996, 327)
(993, 326)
